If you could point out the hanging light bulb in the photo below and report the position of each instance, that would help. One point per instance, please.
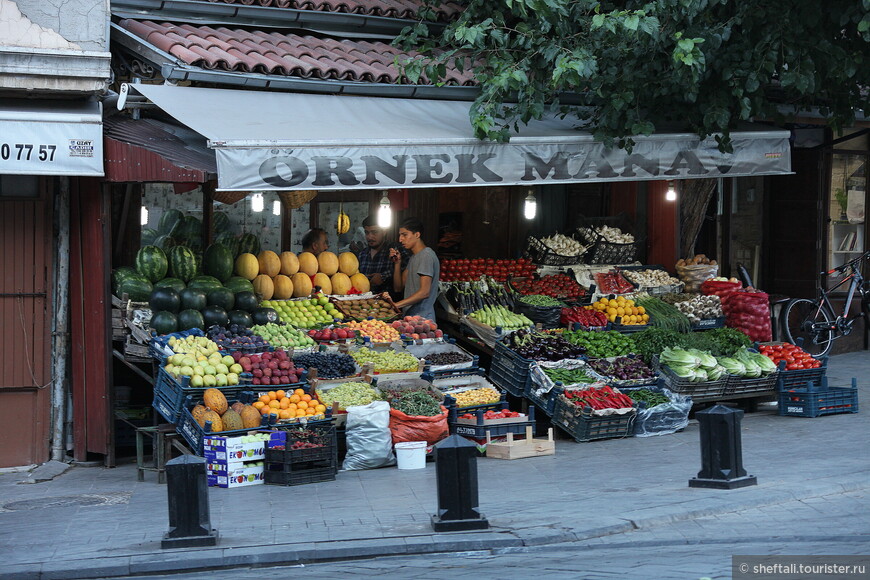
(276, 207)
(671, 194)
(530, 208)
(143, 216)
(385, 214)
(257, 202)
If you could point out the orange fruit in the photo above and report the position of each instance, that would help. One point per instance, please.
(264, 399)
(291, 407)
(285, 414)
(309, 411)
(274, 404)
(273, 395)
(299, 392)
(284, 403)
(294, 398)
(300, 413)
(302, 405)
(320, 408)
(266, 409)
(306, 398)
(280, 394)
(259, 405)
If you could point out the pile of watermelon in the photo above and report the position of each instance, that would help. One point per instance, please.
(185, 292)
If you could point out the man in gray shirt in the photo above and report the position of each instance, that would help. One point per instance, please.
(420, 279)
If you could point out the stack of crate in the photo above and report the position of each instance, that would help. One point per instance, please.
(308, 454)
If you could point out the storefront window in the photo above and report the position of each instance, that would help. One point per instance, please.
(846, 206)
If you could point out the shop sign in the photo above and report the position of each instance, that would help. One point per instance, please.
(50, 148)
(380, 167)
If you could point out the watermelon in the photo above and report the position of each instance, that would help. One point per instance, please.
(246, 301)
(165, 242)
(205, 282)
(221, 222)
(169, 221)
(164, 299)
(230, 241)
(249, 243)
(119, 275)
(212, 315)
(193, 299)
(241, 318)
(218, 262)
(182, 263)
(148, 236)
(190, 318)
(173, 283)
(264, 316)
(137, 288)
(164, 322)
(222, 297)
(238, 284)
(151, 262)
(191, 229)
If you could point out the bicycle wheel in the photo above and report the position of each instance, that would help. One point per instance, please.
(805, 323)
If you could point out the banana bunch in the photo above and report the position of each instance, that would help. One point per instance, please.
(342, 225)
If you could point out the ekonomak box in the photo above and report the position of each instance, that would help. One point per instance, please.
(235, 474)
(217, 449)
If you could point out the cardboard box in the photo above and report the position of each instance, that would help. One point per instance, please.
(217, 449)
(234, 475)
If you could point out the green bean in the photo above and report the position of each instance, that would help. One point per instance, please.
(541, 300)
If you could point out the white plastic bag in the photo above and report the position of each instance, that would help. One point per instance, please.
(369, 441)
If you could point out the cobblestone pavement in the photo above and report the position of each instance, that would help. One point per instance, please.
(685, 550)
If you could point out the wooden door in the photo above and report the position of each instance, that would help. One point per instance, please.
(25, 319)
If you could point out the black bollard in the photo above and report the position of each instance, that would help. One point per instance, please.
(456, 472)
(721, 450)
(189, 519)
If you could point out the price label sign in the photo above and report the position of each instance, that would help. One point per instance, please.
(47, 147)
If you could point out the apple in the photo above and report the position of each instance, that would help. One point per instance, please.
(232, 379)
(221, 380)
(209, 381)
(196, 381)
(236, 368)
(221, 369)
(228, 360)
(186, 371)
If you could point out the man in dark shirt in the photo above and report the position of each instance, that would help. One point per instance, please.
(374, 260)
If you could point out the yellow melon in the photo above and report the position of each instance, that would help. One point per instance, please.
(215, 401)
(360, 282)
(327, 263)
(198, 413)
(216, 423)
(348, 263)
(322, 280)
(301, 285)
(264, 286)
(308, 263)
(250, 417)
(289, 263)
(283, 287)
(340, 283)
(247, 266)
(270, 263)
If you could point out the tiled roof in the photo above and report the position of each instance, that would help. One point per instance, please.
(406, 9)
(277, 53)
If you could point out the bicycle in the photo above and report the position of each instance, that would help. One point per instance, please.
(812, 323)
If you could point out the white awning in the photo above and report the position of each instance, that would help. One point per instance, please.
(282, 141)
(51, 137)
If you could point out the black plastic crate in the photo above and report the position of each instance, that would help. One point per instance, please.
(787, 379)
(322, 435)
(709, 323)
(171, 394)
(700, 392)
(746, 386)
(507, 380)
(601, 251)
(496, 428)
(157, 343)
(316, 475)
(539, 253)
(818, 400)
(583, 425)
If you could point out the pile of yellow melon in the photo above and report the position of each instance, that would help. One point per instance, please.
(291, 276)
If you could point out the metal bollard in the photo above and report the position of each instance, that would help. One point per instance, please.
(189, 519)
(456, 472)
(721, 450)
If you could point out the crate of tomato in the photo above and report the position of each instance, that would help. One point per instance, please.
(796, 366)
(496, 422)
(595, 413)
(466, 270)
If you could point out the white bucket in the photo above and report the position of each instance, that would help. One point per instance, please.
(411, 455)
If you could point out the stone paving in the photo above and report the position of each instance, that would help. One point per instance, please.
(102, 522)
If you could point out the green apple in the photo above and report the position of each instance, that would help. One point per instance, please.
(221, 380)
(198, 369)
(221, 368)
(228, 360)
(323, 300)
(210, 370)
(236, 368)
(188, 361)
(209, 380)
(196, 381)
(232, 379)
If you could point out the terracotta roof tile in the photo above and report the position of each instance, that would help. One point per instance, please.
(277, 53)
(389, 8)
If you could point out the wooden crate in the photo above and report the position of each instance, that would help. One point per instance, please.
(528, 447)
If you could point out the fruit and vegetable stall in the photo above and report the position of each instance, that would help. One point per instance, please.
(279, 368)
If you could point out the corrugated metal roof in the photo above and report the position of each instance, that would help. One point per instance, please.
(151, 150)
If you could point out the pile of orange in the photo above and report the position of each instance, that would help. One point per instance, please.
(289, 404)
(622, 308)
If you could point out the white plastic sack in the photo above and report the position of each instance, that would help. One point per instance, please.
(663, 419)
(369, 442)
(542, 384)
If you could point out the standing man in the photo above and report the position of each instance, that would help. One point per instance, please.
(374, 260)
(315, 241)
(420, 278)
